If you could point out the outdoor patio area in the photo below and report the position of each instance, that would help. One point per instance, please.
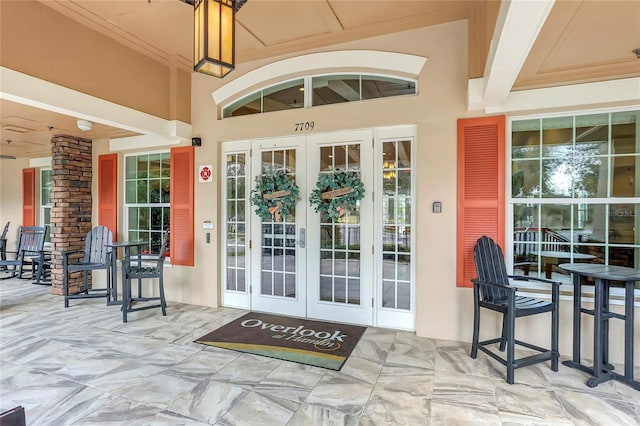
(82, 365)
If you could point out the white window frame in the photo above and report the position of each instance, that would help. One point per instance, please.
(126, 205)
(44, 207)
(616, 294)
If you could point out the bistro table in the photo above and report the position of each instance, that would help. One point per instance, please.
(603, 274)
(556, 255)
(112, 287)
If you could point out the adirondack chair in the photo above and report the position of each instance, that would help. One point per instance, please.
(492, 290)
(96, 256)
(30, 245)
(138, 267)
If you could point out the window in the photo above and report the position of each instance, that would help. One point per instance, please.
(147, 204)
(575, 192)
(46, 184)
(324, 89)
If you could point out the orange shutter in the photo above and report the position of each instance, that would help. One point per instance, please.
(481, 189)
(108, 192)
(182, 166)
(29, 197)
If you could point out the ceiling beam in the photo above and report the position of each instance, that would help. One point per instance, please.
(517, 27)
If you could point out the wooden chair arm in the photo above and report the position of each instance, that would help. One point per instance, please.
(536, 279)
(478, 282)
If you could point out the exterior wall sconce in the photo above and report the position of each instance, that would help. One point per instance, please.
(214, 35)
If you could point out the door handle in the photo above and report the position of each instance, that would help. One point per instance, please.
(302, 240)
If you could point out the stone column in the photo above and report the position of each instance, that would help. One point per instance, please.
(71, 203)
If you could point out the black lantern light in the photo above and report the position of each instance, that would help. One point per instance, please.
(214, 36)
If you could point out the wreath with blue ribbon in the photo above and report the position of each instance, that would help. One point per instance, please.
(336, 193)
(275, 195)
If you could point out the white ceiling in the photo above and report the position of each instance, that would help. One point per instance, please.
(572, 42)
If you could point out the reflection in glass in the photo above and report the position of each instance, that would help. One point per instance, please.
(251, 104)
(382, 87)
(556, 176)
(396, 219)
(236, 239)
(557, 135)
(333, 89)
(340, 240)
(622, 224)
(278, 262)
(287, 95)
(624, 137)
(591, 161)
(326, 158)
(326, 289)
(592, 134)
(525, 179)
(624, 172)
(525, 139)
(556, 216)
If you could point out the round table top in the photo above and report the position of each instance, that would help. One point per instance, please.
(606, 272)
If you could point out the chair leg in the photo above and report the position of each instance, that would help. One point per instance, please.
(85, 282)
(476, 323)
(126, 295)
(163, 303)
(555, 352)
(65, 284)
(511, 345)
(503, 338)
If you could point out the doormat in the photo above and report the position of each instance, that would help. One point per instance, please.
(317, 343)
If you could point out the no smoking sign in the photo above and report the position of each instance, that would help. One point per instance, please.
(205, 173)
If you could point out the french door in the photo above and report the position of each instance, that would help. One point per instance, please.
(278, 254)
(357, 269)
(340, 277)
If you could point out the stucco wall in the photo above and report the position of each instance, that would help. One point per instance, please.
(443, 310)
(11, 197)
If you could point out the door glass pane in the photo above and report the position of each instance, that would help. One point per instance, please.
(236, 238)
(396, 225)
(340, 239)
(278, 240)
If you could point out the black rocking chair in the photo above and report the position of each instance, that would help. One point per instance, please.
(30, 246)
(491, 290)
(3, 245)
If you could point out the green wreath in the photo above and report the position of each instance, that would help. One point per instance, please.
(337, 193)
(275, 194)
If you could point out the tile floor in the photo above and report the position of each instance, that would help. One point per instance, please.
(83, 366)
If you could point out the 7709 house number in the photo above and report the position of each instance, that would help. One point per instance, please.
(304, 126)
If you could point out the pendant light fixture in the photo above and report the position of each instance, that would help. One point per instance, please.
(214, 36)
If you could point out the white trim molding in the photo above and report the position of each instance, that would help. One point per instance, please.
(625, 90)
(338, 60)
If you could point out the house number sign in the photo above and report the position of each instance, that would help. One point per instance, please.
(304, 126)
